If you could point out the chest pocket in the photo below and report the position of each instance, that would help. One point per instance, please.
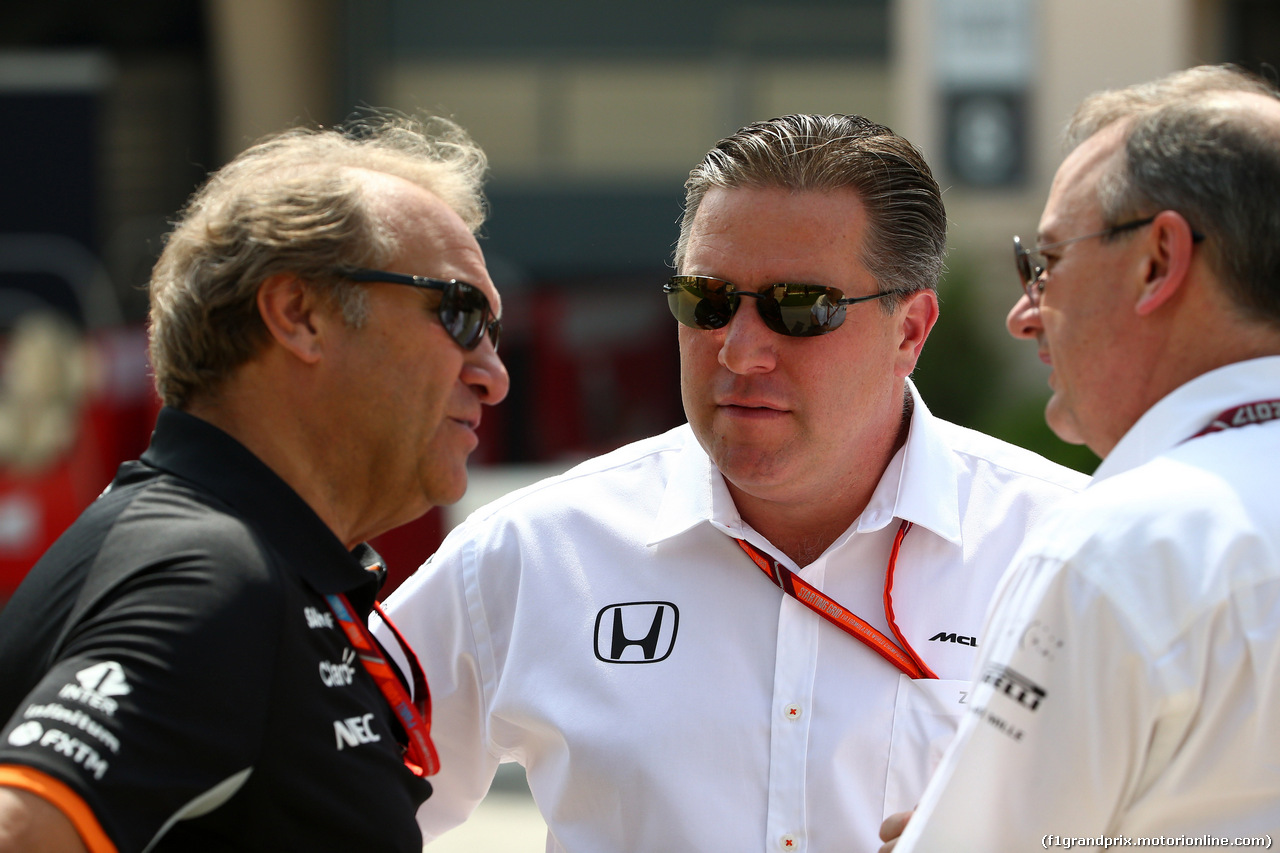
(926, 716)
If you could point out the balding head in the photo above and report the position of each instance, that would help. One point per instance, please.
(1214, 157)
(1103, 108)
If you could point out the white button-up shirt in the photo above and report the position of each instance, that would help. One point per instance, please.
(604, 629)
(1130, 685)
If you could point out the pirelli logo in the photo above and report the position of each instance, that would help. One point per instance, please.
(1017, 687)
(636, 632)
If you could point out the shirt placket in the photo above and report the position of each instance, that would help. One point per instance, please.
(793, 688)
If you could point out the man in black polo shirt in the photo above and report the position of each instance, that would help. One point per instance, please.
(187, 667)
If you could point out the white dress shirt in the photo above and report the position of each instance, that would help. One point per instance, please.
(1130, 684)
(604, 629)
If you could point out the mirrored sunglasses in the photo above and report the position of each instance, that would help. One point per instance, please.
(794, 310)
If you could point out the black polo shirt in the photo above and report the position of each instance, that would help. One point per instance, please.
(173, 660)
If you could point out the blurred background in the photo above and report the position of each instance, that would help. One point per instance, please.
(592, 113)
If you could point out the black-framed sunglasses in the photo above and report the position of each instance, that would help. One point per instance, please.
(794, 310)
(464, 310)
(1031, 269)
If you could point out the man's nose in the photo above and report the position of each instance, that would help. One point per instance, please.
(1023, 321)
(747, 345)
(484, 372)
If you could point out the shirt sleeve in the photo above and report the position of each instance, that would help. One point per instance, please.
(159, 693)
(434, 610)
(1064, 703)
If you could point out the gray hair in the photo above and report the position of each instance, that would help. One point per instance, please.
(1194, 147)
(907, 228)
(1103, 108)
(296, 203)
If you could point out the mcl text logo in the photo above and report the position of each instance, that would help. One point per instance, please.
(636, 632)
(953, 637)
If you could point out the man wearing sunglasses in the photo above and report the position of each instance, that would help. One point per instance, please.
(187, 668)
(751, 633)
(1128, 686)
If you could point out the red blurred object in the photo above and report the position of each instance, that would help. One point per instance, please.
(111, 423)
(36, 506)
(75, 396)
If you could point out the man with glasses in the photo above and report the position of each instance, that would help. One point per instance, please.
(188, 668)
(1129, 680)
(752, 632)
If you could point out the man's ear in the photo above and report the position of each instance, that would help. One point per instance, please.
(916, 317)
(1168, 261)
(288, 309)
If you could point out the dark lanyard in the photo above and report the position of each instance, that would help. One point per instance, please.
(414, 716)
(1238, 416)
(904, 657)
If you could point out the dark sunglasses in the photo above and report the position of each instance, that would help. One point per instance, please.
(464, 309)
(794, 310)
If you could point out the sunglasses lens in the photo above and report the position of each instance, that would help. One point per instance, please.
(464, 311)
(1023, 261)
(802, 310)
(700, 302)
(1029, 271)
(794, 310)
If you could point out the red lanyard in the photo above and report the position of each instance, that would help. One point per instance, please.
(904, 658)
(415, 716)
(1238, 416)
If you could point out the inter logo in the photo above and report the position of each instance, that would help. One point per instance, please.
(96, 686)
(636, 632)
(106, 679)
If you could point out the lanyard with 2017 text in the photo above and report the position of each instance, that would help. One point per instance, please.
(1250, 413)
(414, 716)
(904, 657)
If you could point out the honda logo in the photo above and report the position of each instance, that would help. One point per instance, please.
(636, 632)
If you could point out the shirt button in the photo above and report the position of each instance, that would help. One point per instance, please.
(789, 842)
(791, 712)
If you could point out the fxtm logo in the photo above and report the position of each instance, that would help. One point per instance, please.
(943, 636)
(636, 632)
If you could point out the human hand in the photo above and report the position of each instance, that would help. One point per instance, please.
(892, 827)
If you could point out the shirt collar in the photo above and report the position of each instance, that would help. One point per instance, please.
(1188, 409)
(695, 493)
(921, 484)
(195, 450)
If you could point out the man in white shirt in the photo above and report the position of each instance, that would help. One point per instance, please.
(620, 630)
(1129, 681)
